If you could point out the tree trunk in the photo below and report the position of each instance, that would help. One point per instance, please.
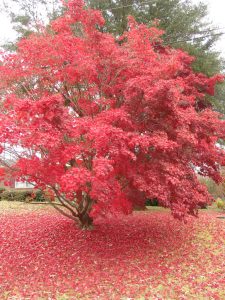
(86, 222)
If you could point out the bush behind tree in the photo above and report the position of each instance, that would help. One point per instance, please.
(23, 196)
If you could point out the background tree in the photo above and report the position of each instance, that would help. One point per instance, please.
(28, 16)
(106, 124)
(185, 27)
(184, 23)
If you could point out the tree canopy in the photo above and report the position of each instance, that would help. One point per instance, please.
(184, 23)
(185, 26)
(107, 122)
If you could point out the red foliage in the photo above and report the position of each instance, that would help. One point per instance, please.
(109, 119)
(2, 173)
(149, 255)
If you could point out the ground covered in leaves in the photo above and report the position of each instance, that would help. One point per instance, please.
(148, 255)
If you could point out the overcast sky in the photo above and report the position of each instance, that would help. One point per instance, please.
(216, 15)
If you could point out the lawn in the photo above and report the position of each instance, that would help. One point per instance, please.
(147, 255)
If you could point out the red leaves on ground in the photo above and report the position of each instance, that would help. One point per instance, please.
(148, 254)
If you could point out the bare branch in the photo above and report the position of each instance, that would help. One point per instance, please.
(62, 211)
(65, 203)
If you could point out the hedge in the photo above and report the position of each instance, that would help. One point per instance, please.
(22, 196)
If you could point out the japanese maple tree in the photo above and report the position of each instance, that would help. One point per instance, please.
(106, 123)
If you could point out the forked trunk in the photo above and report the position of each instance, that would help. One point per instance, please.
(77, 212)
(86, 222)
